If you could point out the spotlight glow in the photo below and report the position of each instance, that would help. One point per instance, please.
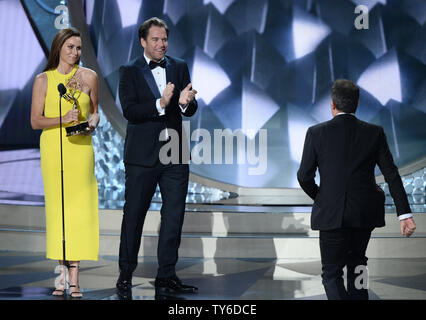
(308, 32)
(129, 11)
(382, 78)
(208, 77)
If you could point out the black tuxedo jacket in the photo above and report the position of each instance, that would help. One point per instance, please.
(346, 151)
(138, 93)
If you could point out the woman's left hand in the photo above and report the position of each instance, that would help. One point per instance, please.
(94, 120)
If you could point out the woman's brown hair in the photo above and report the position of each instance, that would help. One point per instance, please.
(57, 43)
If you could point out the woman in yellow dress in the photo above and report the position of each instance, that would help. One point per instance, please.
(79, 181)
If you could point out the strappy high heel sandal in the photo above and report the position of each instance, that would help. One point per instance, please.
(63, 278)
(75, 294)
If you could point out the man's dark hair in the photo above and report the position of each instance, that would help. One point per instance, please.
(154, 21)
(345, 95)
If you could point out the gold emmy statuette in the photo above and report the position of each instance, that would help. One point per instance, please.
(73, 92)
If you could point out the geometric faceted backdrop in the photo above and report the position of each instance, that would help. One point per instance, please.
(256, 64)
(259, 64)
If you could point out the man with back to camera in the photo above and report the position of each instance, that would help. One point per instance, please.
(348, 204)
(155, 91)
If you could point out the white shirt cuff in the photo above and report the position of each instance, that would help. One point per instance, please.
(183, 107)
(405, 216)
(160, 110)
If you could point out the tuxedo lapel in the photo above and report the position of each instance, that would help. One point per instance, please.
(170, 71)
(147, 74)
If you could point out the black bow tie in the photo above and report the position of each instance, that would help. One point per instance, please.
(153, 64)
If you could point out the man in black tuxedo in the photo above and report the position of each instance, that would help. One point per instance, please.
(348, 204)
(155, 91)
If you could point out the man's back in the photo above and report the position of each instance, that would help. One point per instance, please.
(346, 150)
(348, 204)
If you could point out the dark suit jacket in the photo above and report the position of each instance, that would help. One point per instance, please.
(346, 151)
(138, 93)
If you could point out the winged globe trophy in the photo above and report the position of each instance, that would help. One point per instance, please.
(72, 94)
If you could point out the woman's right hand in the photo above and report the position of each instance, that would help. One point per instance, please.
(71, 116)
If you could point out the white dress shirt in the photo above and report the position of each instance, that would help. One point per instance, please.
(159, 74)
(402, 216)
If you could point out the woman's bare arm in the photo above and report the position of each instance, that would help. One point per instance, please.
(38, 120)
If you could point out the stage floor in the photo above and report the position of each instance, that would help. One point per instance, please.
(30, 276)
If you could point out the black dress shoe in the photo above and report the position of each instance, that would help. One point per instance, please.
(164, 286)
(124, 289)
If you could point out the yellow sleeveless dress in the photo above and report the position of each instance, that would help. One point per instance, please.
(80, 185)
